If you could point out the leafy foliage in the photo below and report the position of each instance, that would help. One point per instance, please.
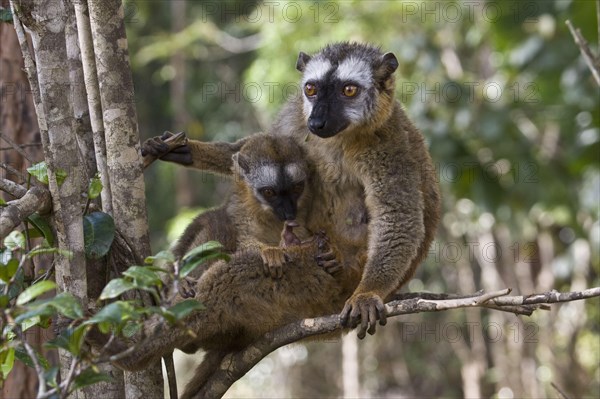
(99, 233)
(28, 306)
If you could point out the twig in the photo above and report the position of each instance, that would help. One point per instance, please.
(235, 365)
(588, 56)
(560, 391)
(16, 147)
(37, 366)
(14, 189)
(10, 169)
(21, 146)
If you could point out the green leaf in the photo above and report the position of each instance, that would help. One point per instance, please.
(49, 251)
(114, 313)
(3, 301)
(51, 375)
(22, 355)
(116, 287)
(211, 250)
(34, 291)
(143, 277)
(43, 227)
(94, 188)
(61, 175)
(39, 171)
(67, 305)
(69, 339)
(14, 240)
(2, 202)
(7, 271)
(41, 311)
(7, 360)
(89, 377)
(98, 233)
(33, 321)
(161, 259)
(184, 308)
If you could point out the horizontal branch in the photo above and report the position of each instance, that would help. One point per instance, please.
(36, 199)
(14, 189)
(235, 365)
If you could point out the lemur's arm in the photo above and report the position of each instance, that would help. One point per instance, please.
(210, 156)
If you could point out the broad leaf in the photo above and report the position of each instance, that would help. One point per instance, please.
(34, 291)
(8, 270)
(116, 287)
(7, 360)
(69, 339)
(143, 277)
(161, 259)
(99, 233)
(114, 313)
(43, 227)
(184, 308)
(22, 355)
(211, 250)
(67, 305)
(90, 377)
(39, 171)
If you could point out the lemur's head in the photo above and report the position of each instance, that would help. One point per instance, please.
(274, 171)
(346, 85)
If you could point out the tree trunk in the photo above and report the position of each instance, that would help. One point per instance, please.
(45, 21)
(123, 153)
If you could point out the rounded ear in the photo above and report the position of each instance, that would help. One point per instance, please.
(303, 59)
(240, 163)
(388, 65)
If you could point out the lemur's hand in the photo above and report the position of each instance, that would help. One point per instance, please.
(366, 309)
(327, 255)
(168, 147)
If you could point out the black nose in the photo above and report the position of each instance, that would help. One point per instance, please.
(316, 124)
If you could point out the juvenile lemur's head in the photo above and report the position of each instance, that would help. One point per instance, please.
(274, 171)
(346, 85)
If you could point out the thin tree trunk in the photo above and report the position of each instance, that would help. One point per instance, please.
(83, 128)
(123, 153)
(93, 99)
(45, 21)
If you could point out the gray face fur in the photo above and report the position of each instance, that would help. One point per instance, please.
(337, 66)
(278, 187)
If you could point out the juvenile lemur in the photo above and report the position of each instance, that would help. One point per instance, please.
(271, 187)
(376, 195)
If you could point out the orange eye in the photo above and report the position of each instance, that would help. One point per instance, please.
(350, 90)
(268, 193)
(310, 89)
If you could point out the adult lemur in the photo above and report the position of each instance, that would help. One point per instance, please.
(377, 193)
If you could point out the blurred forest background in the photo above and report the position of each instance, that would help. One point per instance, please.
(510, 112)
